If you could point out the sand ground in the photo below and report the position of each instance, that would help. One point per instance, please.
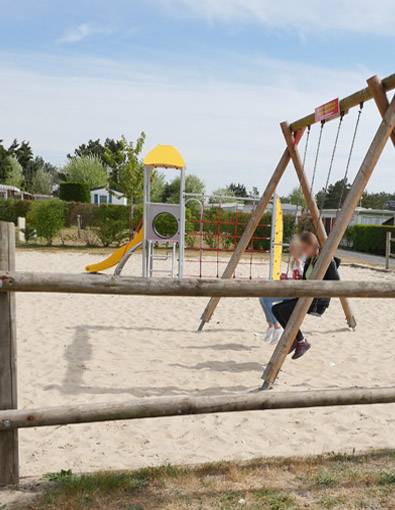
(108, 348)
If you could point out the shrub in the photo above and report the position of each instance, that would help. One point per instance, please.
(87, 212)
(47, 218)
(112, 224)
(11, 209)
(74, 192)
(88, 170)
(369, 238)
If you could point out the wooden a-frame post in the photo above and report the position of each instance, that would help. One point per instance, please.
(312, 206)
(328, 250)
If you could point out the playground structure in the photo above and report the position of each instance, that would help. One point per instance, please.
(292, 134)
(164, 224)
(151, 232)
(11, 419)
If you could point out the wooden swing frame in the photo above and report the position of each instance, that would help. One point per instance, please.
(293, 133)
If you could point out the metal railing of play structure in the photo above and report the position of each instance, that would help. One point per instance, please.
(12, 418)
(388, 249)
(215, 232)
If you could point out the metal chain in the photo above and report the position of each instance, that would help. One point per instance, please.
(331, 163)
(339, 205)
(306, 145)
(316, 157)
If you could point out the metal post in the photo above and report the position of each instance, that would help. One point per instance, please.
(147, 199)
(181, 246)
(272, 236)
(388, 239)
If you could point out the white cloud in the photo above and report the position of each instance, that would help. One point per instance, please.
(308, 15)
(227, 130)
(81, 32)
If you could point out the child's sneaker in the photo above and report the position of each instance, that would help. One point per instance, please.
(276, 335)
(269, 334)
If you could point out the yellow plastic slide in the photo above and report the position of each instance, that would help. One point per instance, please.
(115, 257)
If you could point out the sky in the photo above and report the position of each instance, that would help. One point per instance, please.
(213, 77)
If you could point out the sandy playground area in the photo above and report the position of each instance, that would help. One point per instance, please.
(106, 348)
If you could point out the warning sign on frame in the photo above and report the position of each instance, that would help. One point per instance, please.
(327, 110)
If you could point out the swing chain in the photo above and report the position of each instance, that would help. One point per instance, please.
(316, 156)
(331, 163)
(306, 145)
(339, 206)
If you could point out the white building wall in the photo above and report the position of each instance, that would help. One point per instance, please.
(104, 196)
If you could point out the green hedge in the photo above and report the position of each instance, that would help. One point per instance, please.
(368, 238)
(11, 209)
(110, 223)
(74, 192)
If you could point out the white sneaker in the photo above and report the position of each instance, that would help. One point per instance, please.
(269, 334)
(276, 335)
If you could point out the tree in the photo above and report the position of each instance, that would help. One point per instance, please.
(193, 184)
(33, 167)
(220, 192)
(23, 152)
(4, 163)
(376, 200)
(254, 192)
(42, 182)
(296, 197)
(238, 189)
(14, 175)
(158, 184)
(87, 170)
(335, 195)
(128, 174)
(92, 148)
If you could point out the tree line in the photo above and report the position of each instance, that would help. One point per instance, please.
(114, 163)
(118, 164)
(335, 195)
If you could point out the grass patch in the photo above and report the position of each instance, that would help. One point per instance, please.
(328, 482)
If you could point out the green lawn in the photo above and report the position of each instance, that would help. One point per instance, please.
(348, 482)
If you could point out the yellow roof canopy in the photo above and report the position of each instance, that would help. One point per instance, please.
(164, 156)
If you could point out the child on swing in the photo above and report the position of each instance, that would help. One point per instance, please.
(295, 271)
(282, 311)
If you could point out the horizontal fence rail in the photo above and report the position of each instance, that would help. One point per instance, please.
(179, 406)
(190, 287)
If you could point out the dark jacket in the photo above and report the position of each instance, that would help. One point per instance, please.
(319, 305)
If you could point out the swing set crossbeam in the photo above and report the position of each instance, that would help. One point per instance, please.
(351, 101)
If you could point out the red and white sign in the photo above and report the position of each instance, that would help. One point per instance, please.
(327, 110)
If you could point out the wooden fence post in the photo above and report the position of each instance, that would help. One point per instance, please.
(9, 457)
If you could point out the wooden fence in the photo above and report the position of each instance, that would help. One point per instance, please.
(11, 419)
